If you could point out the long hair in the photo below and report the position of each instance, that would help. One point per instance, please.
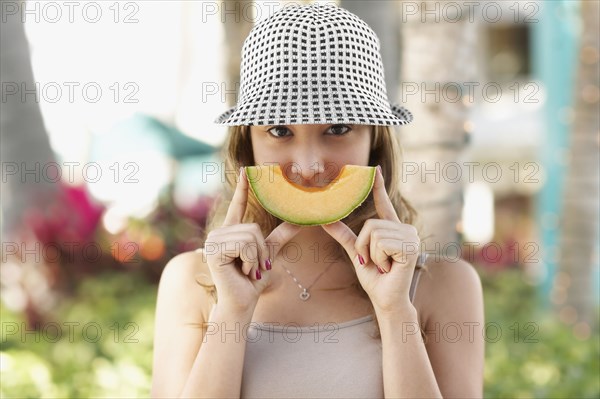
(386, 151)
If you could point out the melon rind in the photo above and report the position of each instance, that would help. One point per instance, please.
(351, 178)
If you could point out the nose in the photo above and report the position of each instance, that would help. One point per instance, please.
(307, 167)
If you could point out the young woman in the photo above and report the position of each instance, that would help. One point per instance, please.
(271, 309)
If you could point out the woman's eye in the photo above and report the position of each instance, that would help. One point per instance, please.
(338, 130)
(275, 129)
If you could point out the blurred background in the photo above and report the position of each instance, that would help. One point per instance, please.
(110, 163)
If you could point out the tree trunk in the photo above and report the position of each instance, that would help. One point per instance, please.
(236, 31)
(25, 144)
(573, 288)
(27, 185)
(434, 54)
(382, 17)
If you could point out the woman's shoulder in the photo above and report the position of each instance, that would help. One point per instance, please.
(446, 283)
(187, 276)
(440, 267)
(190, 264)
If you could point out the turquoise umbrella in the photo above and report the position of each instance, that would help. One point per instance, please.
(143, 132)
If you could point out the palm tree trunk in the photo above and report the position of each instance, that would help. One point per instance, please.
(382, 17)
(573, 288)
(235, 34)
(25, 144)
(434, 54)
(25, 153)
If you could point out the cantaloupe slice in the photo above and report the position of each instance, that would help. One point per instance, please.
(310, 206)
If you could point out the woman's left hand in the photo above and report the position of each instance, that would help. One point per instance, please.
(386, 244)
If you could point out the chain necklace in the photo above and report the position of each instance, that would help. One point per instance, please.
(304, 295)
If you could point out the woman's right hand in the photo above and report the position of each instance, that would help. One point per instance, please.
(237, 254)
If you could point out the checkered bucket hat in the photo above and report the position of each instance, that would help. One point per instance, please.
(312, 64)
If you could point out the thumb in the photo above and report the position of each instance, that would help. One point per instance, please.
(345, 236)
(280, 236)
(261, 284)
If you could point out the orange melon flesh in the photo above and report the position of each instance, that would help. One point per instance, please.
(310, 206)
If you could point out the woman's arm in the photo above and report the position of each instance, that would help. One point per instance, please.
(451, 363)
(407, 371)
(190, 360)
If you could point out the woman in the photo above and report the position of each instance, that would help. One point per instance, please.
(242, 317)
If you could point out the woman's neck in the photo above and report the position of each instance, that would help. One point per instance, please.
(307, 255)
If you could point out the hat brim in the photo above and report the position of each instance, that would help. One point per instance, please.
(250, 114)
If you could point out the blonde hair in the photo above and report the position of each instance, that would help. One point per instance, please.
(386, 151)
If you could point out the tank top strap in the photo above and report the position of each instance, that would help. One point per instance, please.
(416, 275)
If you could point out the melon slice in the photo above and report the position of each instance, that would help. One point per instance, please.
(310, 206)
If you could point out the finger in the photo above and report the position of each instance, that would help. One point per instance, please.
(241, 244)
(250, 258)
(252, 228)
(237, 207)
(384, 228)
(382, 201)
(260, 283)
(345, 236)
(379, 257)
(361, 245)
(239, 249)
(390, 243)
(261, 247)
(259, 244)
(280, 236)
(394, 249)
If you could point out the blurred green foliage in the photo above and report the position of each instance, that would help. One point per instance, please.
(96, 344)
(107, 331)
(536, 355)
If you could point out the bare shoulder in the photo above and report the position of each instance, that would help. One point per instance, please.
(182, 308)
(186, 267)
(448, 286)
(186, 280)
(452, 317)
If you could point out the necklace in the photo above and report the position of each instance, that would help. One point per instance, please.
(304, 295)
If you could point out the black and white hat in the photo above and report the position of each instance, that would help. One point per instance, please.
(312, 64)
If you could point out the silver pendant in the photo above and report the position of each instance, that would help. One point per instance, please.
(304, 295)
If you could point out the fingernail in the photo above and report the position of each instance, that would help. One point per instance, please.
(268, 264)
(361, 260)
(380, 271)
(379, 169)
(258, 275)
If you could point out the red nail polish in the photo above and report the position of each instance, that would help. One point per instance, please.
(258, 275)
(268, 264)
(380, 271)
(361, 260)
